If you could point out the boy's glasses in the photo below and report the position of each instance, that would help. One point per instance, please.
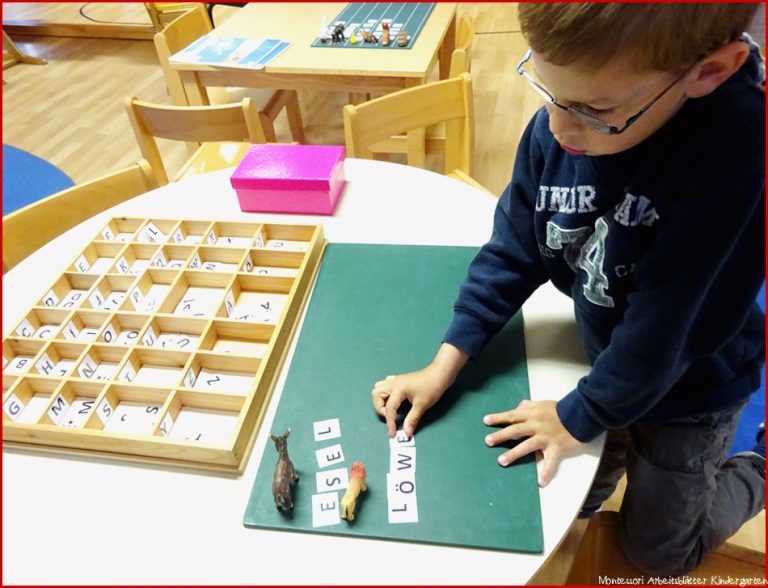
(592, 122)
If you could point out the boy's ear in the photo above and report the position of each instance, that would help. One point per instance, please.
(707, 75)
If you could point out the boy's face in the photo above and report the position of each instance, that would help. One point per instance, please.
(612, 94)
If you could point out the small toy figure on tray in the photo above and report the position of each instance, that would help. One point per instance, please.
(338, 33)
(385, 33)
(322, 34)
(368, 37)
(285, 474)
(357, 477)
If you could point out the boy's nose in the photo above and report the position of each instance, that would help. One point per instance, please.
(562, 123)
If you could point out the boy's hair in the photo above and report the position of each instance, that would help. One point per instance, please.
(649, 36)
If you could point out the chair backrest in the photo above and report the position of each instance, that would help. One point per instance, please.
(180, 33)
(461, 58)
(160, 12)
(238, 122)
(29, 228)
(448, 101)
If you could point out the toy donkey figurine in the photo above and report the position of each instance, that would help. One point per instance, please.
(285, 474)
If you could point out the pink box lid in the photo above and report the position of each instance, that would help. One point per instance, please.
(294, 167)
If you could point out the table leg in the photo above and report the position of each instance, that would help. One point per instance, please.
(356, 98)
(197, 95)
(445, 52)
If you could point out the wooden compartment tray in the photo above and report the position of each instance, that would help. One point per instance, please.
(161, 341)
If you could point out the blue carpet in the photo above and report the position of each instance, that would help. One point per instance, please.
(754, 412)
(27, 178)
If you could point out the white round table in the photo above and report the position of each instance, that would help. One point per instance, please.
(79, 520)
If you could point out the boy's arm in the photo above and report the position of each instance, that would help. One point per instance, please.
(508, 268)
(692, 292)
(501, 276)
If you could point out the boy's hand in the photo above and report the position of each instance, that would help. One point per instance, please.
(422, 389)
(538, 421)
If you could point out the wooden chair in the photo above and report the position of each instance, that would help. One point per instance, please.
(225, 132)
(161, 13)
(191, 26)
(29, 228)
(13, 55)
(448, 101)
(434, 141)
(461, 58)
(599, 557)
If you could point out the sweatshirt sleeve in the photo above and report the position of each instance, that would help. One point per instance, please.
(508, 268)
(693, 291)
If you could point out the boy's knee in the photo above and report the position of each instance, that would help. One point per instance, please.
(672, 557)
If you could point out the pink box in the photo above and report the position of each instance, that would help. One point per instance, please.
(303, 179)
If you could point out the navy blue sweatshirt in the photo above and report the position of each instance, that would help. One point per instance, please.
(661, 247)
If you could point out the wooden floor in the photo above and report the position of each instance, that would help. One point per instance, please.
(70, 112)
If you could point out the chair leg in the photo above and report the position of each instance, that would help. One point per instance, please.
(417, 148)
(268, 126)
(289, 100)
(293, 112)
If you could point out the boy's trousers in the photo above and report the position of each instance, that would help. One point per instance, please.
(684, 496)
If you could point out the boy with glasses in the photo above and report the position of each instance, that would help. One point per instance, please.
(639, 190)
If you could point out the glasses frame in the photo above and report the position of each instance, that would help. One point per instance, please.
(592, 122)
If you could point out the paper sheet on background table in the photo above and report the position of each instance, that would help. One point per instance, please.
(245, 52)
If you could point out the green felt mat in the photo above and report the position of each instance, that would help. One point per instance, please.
(383, 309)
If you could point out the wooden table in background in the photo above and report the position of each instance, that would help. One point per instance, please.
(302, 66)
